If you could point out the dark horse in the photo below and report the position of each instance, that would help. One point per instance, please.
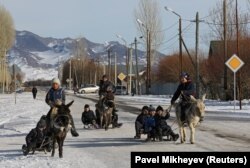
(60, 127)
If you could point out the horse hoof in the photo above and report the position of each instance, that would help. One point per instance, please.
(192, 142)
(61, 156)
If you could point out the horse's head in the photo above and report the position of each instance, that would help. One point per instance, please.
(62, 119)
(64, 108)
(200, 105)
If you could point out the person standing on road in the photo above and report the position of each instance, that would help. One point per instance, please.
(34, 92)
(56, 96)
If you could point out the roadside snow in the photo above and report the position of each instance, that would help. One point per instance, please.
(211, 105)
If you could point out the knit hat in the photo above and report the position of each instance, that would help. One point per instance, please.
(159, 108)
(184, 75)
(56, 80)
(144, 108)
(86, 106)
(41, 124)
(151, 108)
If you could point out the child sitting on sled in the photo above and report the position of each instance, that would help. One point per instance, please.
(35, 138)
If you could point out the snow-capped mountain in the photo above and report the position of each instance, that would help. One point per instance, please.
(39, 57)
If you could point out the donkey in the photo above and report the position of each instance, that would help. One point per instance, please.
(194, 113)
(105, 113)
(60, 127)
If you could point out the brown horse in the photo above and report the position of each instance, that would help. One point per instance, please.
(105, 113)
(60, 127)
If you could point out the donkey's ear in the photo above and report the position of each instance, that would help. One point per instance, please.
(203, 97)
(193, 99)
(68, 105)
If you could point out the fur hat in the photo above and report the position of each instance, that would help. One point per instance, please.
(56, 80)
(86, 106)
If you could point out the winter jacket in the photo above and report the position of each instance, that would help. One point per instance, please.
(54, 95)
(104, 85)
(149, 124)
(110, 96)
(187, 89)
(160, 121)
(141, 118)
(88, 117)
(35, 135)
(34, 90)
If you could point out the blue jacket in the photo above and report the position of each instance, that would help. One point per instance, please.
(54, 95)
(149, 124)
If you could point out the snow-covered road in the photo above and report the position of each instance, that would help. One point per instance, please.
(99, 148)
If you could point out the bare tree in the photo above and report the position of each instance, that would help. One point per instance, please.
(7, 35)
(148, 13)
(7, 30)
(215, 21)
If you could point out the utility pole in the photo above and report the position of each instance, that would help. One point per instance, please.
(149, 62)
(196, 56)
(14, 74)
(70, 80)
(180, 45)
(109, 63)
(130, 70)
(238, 54)
(147, 69)
(225, 44)
(137, 71)
(115, 69)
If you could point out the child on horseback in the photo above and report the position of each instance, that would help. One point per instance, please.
(106, 93)
(184, 91)
(56, 96)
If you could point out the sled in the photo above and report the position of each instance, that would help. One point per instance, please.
(45, 146)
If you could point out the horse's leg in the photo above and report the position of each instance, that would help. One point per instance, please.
(184, 134)
(192, 132)
(106, 121)
(59, 141)
(181, 134)
(54, 146)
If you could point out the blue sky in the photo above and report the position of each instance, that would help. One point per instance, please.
(100, 20)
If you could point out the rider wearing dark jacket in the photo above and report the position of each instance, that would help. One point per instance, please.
(104, 84)
(184, 90)
(56, 96)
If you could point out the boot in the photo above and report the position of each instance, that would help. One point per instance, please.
(74, 133)
(73, 129)
(137, 136)
(174, 136)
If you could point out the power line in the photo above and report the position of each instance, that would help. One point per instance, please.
(159, 31)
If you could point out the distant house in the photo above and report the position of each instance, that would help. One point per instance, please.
(216, 61)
